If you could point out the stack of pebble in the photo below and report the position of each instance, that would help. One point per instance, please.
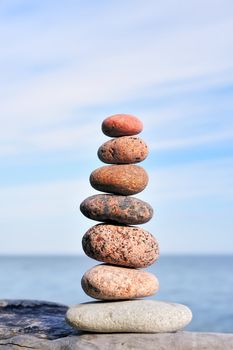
(124, 248)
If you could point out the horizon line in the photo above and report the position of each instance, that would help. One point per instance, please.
(65, 255)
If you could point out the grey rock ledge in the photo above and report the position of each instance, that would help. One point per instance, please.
(26, 324)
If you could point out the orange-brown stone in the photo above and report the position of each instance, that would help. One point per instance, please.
(119, 179)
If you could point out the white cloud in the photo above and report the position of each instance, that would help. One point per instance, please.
(197, 140)
(45, 217)
(106, 66)
(200, 179)
(52, 199)
(57, 60)
(81, 137)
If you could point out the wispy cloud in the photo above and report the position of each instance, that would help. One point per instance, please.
(64, 67)
(201, 179)
(173, 144)
(49, 212)
(93, 67)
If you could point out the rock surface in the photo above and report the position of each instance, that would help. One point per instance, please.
(121, 245)
(119, 179)
(120, 209)
(40, 318)
(107, 282)
(121, 125)
(13, 337)
(123, 150)
(125, 341)
(136, 316)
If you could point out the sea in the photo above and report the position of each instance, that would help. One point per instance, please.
(203, 283)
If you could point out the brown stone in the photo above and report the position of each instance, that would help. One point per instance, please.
(121, 125)
(119, 179)
(107, 282)
(119, 209)
(121, 245)
(123, 150)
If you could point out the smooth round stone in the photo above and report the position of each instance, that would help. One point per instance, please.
(121, 245)
(133, 316)
(123, 150)
(119, 179)
(121, 125)
(107, 282)
(120, 209)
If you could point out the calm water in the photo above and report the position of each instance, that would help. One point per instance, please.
(204, 283)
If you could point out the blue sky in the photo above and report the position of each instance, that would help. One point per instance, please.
(65, 66)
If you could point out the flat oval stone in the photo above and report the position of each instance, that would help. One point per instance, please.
(123, 150)
(121, 245)
(119, 179)
(132, 316)
(107, 282)
(121, 125)
(120, 209)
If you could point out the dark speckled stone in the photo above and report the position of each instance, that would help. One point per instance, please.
(119, 209)
(121, 245)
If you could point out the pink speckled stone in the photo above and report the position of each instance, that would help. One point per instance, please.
(121, 125)
(107, 282)
(121, 245)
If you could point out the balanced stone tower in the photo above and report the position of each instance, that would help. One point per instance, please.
(124, 249)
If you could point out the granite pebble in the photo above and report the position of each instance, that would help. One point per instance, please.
(133, 316)
(119, 209)
(121, 245)
(107, 282)
(123, 150)
(119, 179)
(121, 125)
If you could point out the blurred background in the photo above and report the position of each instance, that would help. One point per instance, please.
(67, 65)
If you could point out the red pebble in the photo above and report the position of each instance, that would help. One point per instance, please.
(121, 125)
